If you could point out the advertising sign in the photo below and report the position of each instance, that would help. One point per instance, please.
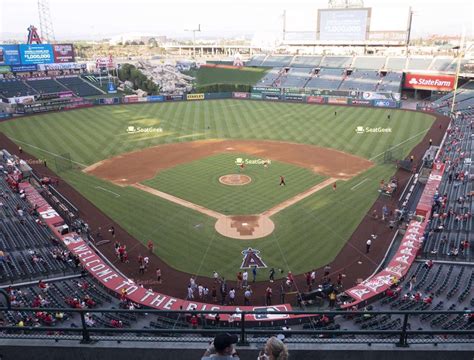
(63, 53)
(361, 102)
(174, 97)
(36, 54)
(272, 97)
(315, 99)
(195, 97)
(294, 97)
(60, 66)
(337, 100)
(23, 68)
(343, 24)
(256, 96)
(21, 100)
(5, 69)
(156, 98)
(240, 95)
(385, 103)
(130, 99)
(430, 82)
(9, 55)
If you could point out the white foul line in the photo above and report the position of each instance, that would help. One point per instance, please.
(356, 185)
(101, 188)
(403, 142)
(48, 152)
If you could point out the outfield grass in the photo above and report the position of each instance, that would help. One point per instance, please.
(198, 182)
(308, 234)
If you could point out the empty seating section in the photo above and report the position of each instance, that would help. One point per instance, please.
(418, 63)
(336, 61)
(365, 80)
(391, 82)
(13, 87)
(295, 78)
(46, 86)
(270, 78)
(277, 61)
(306, 61)
(79, 86)
(369, 62)
(328, 79)
(256, 60)
(441, 64)
(396, 63)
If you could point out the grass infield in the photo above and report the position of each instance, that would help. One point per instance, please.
(308, 234)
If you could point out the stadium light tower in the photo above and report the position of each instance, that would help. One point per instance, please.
(46, 25)
(194, 38)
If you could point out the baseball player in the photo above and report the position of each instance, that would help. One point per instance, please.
(282, 181)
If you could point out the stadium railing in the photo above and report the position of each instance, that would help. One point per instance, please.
(248, 332)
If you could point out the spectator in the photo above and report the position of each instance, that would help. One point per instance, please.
(222, 348)
(274, 349)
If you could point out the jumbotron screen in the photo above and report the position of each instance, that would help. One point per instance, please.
(343, 24)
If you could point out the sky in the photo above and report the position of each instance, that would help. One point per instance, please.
(98, 19)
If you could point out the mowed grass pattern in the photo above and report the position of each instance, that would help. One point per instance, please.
(307, 235)
(198, 182)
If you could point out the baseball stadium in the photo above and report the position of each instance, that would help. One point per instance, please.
(312, 200)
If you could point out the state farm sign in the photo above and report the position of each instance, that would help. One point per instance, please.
(430, 82)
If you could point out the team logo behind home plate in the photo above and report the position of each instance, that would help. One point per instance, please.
(251, 259)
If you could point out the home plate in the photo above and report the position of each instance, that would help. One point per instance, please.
(244, 224)
(359, 262)
(229, 148)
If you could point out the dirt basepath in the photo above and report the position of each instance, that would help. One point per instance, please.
(137, 166)
(351, 260)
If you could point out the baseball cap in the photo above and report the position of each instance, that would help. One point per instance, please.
(221, 341)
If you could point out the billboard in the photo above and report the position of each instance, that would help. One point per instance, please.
(9, 55)
(337, 100)
(23, 68)
(5, 69)
(343, 24)
(385, 103)
(36, 54)
(316, 99)
(195, 97)
(63, 53)
(430, 82)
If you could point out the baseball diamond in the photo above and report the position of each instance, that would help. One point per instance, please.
(135, 178)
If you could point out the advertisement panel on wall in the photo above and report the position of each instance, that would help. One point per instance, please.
(195, 97)
(156, 98)
(337, 100)
(293, 97)
(9, 55)
(271, 97)
(429, 82)
(385, 103)
(315, 99)
(262, 89)
(5, 69)
(174, 97)
(36, 54)
(343, 24)
(22, 100)
(256, 96)
(63, 53)
(361, 102)
(240, 95)
(130, 99)
(23, 68)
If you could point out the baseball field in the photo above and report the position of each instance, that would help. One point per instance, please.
(156, 169)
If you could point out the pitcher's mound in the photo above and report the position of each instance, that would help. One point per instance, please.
(235, 179)
(245, 227)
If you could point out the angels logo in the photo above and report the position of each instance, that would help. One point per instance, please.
(72, 239)
(251, 259)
